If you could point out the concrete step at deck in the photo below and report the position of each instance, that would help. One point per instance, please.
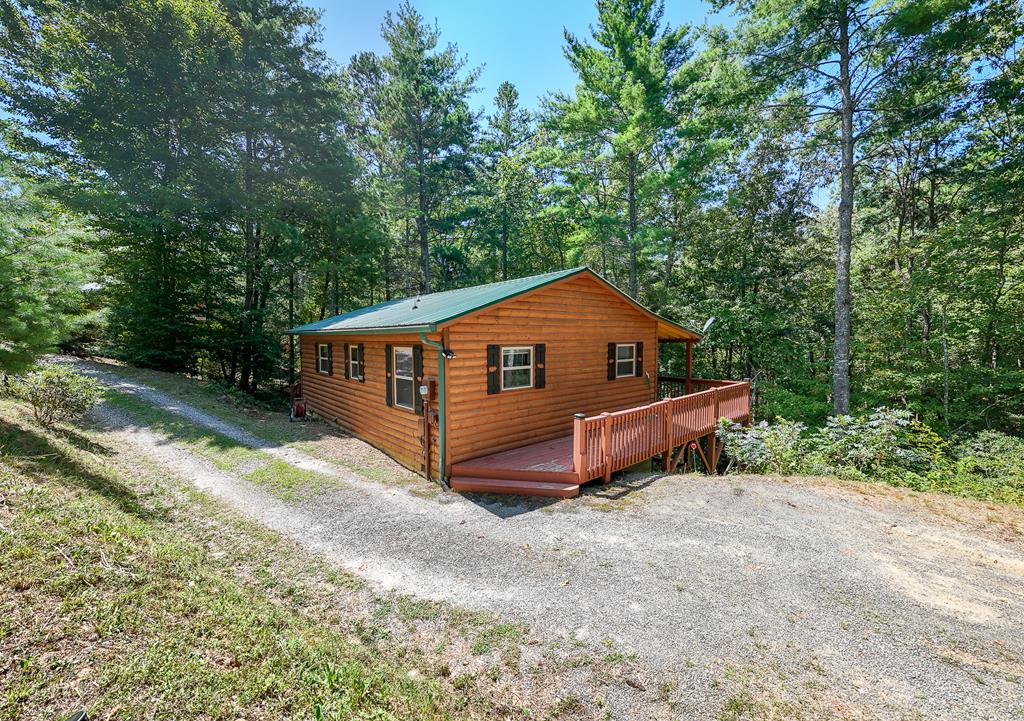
(550, 489)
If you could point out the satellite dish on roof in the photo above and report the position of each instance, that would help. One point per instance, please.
(707, 324)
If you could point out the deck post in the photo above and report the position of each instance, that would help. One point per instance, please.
(689, 367)
(666, 456)
(579, 446)
(713, 438)
(606, 440)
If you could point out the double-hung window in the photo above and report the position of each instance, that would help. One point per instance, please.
(404, 378)
(354, 371)
(625, 360)
(323, 358)
(516, 367)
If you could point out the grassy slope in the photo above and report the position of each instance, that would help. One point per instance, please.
(123, 589)
(272, 425)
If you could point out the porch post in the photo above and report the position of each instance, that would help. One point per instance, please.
(579, 447)
(689, 367)
(606, 437)
(713, 438)
(666, 456)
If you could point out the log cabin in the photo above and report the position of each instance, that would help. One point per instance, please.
(531, 386)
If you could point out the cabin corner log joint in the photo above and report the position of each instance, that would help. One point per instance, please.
(532, 386)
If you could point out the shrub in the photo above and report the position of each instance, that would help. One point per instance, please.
(993, 455)
(56, 393)
(764, 448)
(885, 445)
(886, 438)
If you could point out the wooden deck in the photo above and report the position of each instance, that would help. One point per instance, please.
(603, 444)
(544, 466)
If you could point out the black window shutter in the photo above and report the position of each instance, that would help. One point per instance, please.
(388, 384)
(362, 364)
(417, 371)
(493, 369)
(611, 361)
(346, 362)
(538, 365)
(330, 359)
(640, 358)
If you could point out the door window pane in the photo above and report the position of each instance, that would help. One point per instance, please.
(405, 383)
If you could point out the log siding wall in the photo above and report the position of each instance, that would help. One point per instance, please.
(360, 407)
(575, 319)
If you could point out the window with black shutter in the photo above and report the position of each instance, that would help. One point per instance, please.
(625, 360)
(515, 367)
(403, 369)
(417, 371)
(388, 377)
(493, 369)
(322, 358)
(354, 362)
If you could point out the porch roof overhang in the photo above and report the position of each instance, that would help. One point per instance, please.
(669, 332)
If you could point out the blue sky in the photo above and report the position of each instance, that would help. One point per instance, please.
(520, 41)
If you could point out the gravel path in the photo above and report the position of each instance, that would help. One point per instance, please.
(868, 601)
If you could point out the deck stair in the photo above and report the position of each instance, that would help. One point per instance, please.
(550, 489)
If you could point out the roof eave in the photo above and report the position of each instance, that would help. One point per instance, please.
(393, 329)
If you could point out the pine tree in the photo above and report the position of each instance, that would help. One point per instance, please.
(420, 129)
(615, 132)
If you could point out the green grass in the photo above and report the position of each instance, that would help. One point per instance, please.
(288, 482)
(225, 453)
(505, 638)
(112, 598)
(231, 405)
(279, 477)
(268, 423)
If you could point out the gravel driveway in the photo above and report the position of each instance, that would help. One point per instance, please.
(878, 603)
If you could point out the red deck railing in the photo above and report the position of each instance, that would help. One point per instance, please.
(610, 442)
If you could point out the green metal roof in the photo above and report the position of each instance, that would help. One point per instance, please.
(424, 313)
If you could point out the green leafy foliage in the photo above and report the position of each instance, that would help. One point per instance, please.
(888, 445)
(56, 393)
(42, 268)
(777, 448)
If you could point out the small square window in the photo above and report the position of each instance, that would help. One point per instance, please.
(625, 360)
(354, 371)
(404, 380)
(516, 368)
(323, 358)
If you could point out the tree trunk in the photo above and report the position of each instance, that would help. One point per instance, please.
(421, 222)
(504, 247)
(291, 324)
(945, 370)
(841, 348)
(633, 290)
